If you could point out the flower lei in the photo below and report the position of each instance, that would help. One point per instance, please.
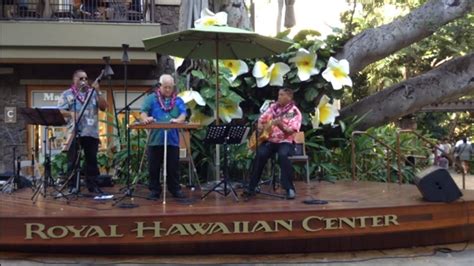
(78, 95)
(278, 110)
(161, 101)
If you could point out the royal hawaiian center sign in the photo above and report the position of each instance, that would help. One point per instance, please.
(157, 229)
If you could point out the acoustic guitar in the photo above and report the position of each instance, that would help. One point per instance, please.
(263, 136)
(265, 133)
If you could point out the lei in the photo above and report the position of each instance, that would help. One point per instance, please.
(161, 101)
(78, 95)
(278, 110)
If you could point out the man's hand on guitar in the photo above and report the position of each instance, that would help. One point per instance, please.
(279, 123)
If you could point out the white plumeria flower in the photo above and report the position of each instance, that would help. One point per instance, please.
(208, 18)
(305, 62)
(229, 110)
(325, 113)
(190, 95)
(273, 74)
(178, 61)
(337, 72)
(236, 67)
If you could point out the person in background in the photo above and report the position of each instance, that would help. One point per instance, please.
(163, 106)
(438, 152)
(447, 151)
(464, 152)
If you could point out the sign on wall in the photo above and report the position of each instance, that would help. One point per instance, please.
(45, 98)
(10, 114)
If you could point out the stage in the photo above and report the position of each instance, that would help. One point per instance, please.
(358, 216)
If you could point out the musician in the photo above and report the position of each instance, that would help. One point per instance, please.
(163, 105)
(283, 118)
(71, 102)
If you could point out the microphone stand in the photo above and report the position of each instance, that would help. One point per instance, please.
(128, 191)
(108, 73)
(12, 183)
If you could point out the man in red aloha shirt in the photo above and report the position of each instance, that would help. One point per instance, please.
(283, 118)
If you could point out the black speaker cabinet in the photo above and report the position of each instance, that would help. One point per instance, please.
(436, 184)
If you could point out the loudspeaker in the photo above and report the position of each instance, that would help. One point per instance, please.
(436, 184)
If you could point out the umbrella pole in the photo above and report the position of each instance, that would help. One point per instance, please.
(218, 161)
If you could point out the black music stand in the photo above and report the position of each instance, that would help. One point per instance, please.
(44, 117)
(225, 134)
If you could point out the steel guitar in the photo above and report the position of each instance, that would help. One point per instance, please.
(165, 127)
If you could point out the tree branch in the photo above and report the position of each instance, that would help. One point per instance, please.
(377, 43)
(454, 78)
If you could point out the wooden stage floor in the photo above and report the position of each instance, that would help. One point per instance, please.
(358, 216)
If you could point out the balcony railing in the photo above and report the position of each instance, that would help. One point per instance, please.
(115, 11)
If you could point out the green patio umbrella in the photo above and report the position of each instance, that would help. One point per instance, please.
(215, 43)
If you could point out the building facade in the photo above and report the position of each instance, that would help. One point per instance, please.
(42, 42)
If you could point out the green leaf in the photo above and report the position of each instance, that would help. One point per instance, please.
(234, 97)
(198, 74)
(284, 34)
(208, 93)
(303, 34)
(310, 93)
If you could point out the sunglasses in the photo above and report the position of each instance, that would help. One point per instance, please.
(82, 78)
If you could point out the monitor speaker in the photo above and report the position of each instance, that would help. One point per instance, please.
(437, 185)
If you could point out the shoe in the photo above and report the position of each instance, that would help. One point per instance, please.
(178, 194)
(154, 195)
(290, 194)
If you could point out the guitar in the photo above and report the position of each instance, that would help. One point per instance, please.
(72, 134)
(264, 134)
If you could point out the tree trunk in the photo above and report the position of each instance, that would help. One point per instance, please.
(190, 11)
(377, 43)
(279, 16)
(451, 80)
(237, 13)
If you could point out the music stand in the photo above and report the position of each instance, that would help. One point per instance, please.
(225, 134)
(45, 117)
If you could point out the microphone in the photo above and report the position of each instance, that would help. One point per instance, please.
(82, 84)
(266, 104)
